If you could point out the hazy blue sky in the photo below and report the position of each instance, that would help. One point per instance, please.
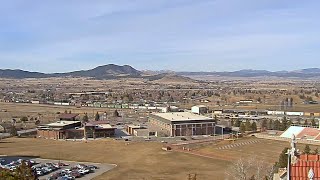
(182, 35)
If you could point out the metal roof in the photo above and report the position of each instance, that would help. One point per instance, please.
(62, 123)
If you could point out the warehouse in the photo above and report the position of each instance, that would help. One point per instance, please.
(181, 124)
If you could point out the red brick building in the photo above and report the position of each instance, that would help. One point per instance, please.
(73, 130)
(57, 130)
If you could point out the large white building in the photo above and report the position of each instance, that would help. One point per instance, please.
(182, 124)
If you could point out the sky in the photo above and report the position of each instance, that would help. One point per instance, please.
(180, 35)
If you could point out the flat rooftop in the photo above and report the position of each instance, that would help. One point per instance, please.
(182, 116)
(99, 126)
(133, 126)
(104, 126)
(200, 106)
(62, 123)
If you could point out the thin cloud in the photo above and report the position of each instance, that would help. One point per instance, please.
(220, 35)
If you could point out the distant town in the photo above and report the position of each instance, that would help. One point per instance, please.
(227, 120)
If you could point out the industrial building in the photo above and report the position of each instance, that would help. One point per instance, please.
(181, 124)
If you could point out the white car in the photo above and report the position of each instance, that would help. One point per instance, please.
(67, 171)
(81, 172)
(39, 173)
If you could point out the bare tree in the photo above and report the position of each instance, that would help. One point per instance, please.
(240, 169)
(245, 169)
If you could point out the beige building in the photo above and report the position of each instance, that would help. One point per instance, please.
(181, 124)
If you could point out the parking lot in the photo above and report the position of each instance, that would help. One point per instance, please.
(47, 169)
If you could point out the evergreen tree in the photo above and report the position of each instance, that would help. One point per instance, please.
(97, 117)
(316, 151)
(270, 125)
(313, 122)
(13, 130)
(283, 158)
(242, 128)
(248, 126)
(85, 118)
(232, 122)
(171, 99)
(24, 172)
(254, 126)
(37, 122)
(237, 123)
(276, 125)
(116, 113)
(305, 122)
(289, 124)
(307, 149)
(283, 124)
(24, 119)
(264, 124)
(130, 98)
(259, 100)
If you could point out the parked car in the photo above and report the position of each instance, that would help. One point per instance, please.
(183, 139)
(92, 167)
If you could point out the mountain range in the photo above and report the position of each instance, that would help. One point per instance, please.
(112, 71)
(302, 73)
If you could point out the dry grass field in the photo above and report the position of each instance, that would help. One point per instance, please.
(145, 160)
(135, 161)
(267, 150)
(47, 113)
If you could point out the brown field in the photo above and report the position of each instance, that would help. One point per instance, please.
(22, 109)
(47, 113)
(267, 150)
(135, 161)
(143, 160)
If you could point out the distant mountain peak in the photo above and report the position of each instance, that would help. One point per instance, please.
(308, 70)
(101, 72)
